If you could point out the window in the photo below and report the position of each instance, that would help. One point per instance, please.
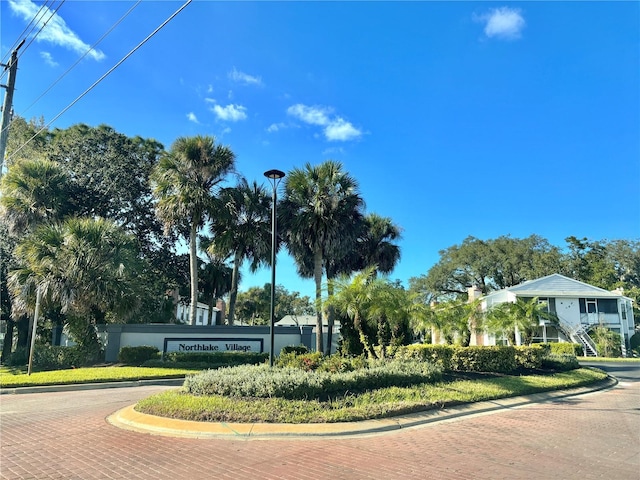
(607, 305)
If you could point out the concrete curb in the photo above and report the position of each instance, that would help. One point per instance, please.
(129, 419)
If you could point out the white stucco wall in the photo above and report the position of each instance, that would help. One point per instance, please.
(568, 311)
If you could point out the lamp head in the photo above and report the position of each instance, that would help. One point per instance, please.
(274, 174)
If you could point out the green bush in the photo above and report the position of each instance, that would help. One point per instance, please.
(529, 358)
(137, 355)
(296, 384)
(498, 359)
(560, 362)
(217, 358)
(564, 348)
(634, 343)
(18, 358)
(483, 359)
(306, 361)
(48, 357)
(297, 349)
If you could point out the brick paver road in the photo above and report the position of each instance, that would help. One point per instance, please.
(65, 435)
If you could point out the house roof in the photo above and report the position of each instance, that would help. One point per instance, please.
(299, 320)
(557, 285)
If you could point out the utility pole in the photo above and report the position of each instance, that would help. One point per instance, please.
(8, 103)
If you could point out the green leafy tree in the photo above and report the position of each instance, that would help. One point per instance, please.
(254, 305)
(89, 267)
(27, 140)
(489, 265)
(185, 182)
(243, 227)
(319, 203)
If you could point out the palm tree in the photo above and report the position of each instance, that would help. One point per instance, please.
(88, 267)
(376, 246)
(355, 298)
(523, 315)
(215, 280)
(184, 182)
(319, 203)
(34, 192)
(243, 228)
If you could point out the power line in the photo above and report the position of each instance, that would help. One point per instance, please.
(35, 21)
(24, 32)
(127, 13)
(44, 24)
(162, 25)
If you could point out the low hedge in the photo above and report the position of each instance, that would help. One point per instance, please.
(490, 359)
(295, 384)
(560, 362)
(203, 361)
(137, 355)
(48, 357)
(564, 348)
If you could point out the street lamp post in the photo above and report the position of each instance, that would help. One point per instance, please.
(274, 177)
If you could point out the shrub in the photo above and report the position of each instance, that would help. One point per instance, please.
(634, 343)
(306, 361)
(295, 384)
(499, 359)
(297, 349)
(560, 362)
(564, 348)
(48, 357)
(530, 357)
(216, 359)
(137, 355)
(18, 358)
(483, 359)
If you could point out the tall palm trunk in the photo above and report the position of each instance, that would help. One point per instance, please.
(233, 293)
(317, 275)
(193, 266)
(330, 318)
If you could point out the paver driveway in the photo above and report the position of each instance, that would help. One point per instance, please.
(65, 435)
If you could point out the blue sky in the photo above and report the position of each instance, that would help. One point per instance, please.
(456, 118)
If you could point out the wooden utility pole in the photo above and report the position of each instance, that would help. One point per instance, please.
(12, 66)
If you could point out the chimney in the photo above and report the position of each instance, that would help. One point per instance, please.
(474, 293)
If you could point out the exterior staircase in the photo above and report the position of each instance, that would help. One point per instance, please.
(579, 335)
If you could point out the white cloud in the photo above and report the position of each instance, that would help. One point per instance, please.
(55, 31)
(341, 130)
(312, 115)
(192, 117)
(335, 129)
(231, 113)
(274, 127)
(48, 59)
(244, 78)
(504, 23)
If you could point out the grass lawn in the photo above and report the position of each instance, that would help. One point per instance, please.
(11, 377)
(384, 402)
(608, 359)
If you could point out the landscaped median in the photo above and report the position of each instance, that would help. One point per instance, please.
(372, 404)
